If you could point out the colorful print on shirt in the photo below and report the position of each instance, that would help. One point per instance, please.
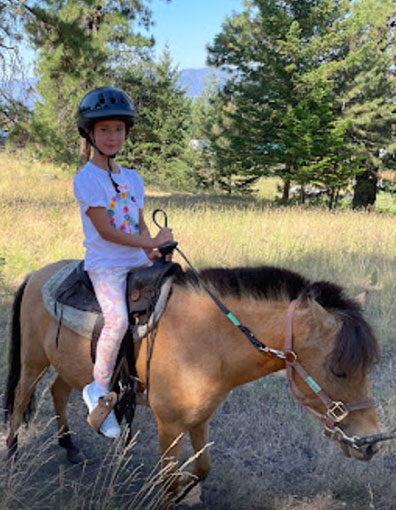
(124, 201)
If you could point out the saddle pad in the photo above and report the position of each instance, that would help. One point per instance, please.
(78, 321)
(83, 322)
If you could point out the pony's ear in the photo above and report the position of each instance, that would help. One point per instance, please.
(361, 299)
(322, 316)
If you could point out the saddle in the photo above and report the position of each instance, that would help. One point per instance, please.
(146, 286)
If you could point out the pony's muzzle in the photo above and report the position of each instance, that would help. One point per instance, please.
(366, 452)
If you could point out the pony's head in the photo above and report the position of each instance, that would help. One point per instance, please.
(337, 348)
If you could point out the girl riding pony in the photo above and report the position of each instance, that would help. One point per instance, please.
(117, 239)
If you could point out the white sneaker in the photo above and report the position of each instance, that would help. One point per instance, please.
(110, 427)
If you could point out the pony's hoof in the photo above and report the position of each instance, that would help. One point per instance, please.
(74, 456)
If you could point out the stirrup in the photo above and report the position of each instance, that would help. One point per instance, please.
(105, 405)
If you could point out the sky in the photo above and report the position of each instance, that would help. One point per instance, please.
(187, 26)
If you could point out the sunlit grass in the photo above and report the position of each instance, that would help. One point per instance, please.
(41, 224)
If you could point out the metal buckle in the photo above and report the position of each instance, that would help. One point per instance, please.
(291, 357)
(337, 411)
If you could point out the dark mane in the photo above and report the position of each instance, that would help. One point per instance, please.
(355, 346)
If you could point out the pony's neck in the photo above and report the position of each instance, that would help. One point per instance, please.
(267, 321)
(216, 341)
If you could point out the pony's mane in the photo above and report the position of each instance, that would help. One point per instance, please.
(355, 345)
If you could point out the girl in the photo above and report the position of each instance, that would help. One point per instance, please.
(116, 237)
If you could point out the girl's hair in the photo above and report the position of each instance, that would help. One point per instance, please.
(85, 149)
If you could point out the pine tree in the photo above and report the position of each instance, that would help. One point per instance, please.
(205, 131)
(311, 86)
(218, 165)
(159, 142)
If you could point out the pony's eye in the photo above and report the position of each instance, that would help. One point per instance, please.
(340, 375)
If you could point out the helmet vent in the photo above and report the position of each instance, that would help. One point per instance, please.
(112, 99)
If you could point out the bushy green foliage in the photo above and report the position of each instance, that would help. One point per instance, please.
(311, 85)
(217, 165)
(159, 142)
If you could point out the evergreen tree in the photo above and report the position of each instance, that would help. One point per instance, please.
(307, 75)
(159, 142)
(217, 165)
(205, 131)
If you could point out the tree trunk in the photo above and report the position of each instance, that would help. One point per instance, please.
(365, 191)
(286, 190)
(302, 195)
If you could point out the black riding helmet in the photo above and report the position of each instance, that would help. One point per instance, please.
(104, 103)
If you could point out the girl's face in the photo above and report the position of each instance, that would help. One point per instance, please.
(109, 135)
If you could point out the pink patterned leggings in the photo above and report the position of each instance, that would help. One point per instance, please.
(110, 287)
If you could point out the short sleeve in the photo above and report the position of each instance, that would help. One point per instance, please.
(138, 187)
(88, 192)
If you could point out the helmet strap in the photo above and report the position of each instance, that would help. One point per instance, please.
(109, 158)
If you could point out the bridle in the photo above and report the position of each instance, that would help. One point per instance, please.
(336, 410)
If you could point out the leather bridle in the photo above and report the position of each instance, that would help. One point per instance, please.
(336, 410)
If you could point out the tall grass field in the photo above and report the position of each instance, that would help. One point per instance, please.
(268, 453)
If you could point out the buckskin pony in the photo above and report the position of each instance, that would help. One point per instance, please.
(199, 356)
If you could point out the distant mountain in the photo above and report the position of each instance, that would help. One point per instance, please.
(192, 80)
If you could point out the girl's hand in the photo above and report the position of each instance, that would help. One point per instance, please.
(164, 236)
(154, 255)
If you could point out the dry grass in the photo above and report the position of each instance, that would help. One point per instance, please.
(268, 453)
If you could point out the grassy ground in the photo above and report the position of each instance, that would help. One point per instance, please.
(267, 453)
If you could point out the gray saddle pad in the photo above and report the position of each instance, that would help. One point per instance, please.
(79, 321)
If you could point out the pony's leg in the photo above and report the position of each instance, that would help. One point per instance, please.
(60, 395)
(199, 436)
(170, 440)
(23, 394)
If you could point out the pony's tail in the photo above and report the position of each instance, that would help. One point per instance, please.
(14, 354)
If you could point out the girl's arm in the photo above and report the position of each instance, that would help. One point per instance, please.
(100, 220)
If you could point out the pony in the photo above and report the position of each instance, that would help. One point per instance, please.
(199, 356)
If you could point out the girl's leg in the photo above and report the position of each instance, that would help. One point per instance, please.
(110, 287)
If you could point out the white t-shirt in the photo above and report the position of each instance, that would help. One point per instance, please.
(93, 188)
